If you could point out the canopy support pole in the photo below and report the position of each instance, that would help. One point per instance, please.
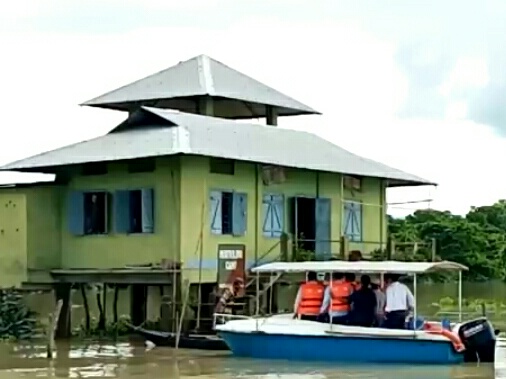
(460, 295)
(415, 302)
(330, 305)
(257, 297)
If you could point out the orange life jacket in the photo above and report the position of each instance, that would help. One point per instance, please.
(311, 298)
(340, 293)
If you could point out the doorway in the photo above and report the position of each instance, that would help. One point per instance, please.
(304, 222)
(310, 225)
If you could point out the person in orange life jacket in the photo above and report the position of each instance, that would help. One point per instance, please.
(363, 304)
(309, 298)
(351, 279)
(335, 300)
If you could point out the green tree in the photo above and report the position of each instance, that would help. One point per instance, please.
(477, 240)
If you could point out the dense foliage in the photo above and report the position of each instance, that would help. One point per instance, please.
(477, 240)
(17, 322)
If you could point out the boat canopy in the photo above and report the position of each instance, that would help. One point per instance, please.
(369, 267)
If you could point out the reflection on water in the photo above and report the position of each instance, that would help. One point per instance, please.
(129, 361)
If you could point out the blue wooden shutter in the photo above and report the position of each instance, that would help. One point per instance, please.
(322, 229)
(239, 213)
(279, 215)
(267, 208)
(121, 206)
(274, 215)
(353, 221)
(75, 213)
(148, 222)
(215, 212)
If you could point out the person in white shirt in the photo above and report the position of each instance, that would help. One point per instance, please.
(399, 301)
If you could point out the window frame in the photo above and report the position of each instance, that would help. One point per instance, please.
(242, 197)
(218, 166)
(119, 211)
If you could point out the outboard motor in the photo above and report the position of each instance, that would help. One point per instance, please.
(478, 336)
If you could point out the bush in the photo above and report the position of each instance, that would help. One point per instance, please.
(17, 322)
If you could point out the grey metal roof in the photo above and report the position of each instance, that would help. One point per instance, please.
(152, 132)
(235, 95)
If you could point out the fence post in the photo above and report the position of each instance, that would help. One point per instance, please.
(433, 249)
(390, 248)
(342, 247)
(283, 247)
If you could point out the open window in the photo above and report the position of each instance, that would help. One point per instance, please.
(141, 165)
(133, 211)
(221, 166)
(228, 212)
(87, 212)
(310, 225)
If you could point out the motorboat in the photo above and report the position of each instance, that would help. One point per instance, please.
(423, 342)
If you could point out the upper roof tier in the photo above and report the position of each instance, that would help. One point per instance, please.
(235, 95)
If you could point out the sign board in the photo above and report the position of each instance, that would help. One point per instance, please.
(231, 264)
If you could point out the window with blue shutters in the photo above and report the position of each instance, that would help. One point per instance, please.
(134, 211)
(352, 220)
(87, 212)
(228, 212)
(273, 215)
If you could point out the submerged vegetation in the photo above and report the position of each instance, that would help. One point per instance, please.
(17, 322)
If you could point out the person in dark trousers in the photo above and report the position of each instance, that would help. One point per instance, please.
(399, 301)
(363, 304)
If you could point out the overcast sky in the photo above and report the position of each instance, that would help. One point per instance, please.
(417, 85)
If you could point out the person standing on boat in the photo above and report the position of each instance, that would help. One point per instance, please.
(363, 304)
(309, 298)
(399, 301)
(336, 300)
(380, 304)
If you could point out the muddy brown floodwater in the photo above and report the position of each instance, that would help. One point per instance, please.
(129, 361)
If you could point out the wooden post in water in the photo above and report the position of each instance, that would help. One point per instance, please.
(183, 311)
(51, 328)
(200, 247)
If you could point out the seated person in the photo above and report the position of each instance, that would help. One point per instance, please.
(363, 304)
(336, 304)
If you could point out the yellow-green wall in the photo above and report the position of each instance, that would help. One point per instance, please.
(30, 234)
(196, 182)
(115, 250)
(34, 233)
(13, 241)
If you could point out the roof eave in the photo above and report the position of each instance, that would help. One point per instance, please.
(129, 105)
(396, 183)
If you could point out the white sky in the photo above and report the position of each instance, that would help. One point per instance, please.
(407, 86)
